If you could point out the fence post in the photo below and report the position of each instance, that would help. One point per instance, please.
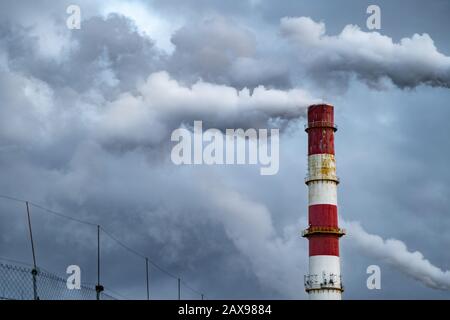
(34, 272)
(179, 289)
(98, 288)
(146, 274)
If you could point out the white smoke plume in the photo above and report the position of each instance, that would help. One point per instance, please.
(395, 253)
(276, 259)
(263, 245)
(370, 55)
(162, 103)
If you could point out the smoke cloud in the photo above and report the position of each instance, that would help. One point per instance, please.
(162, 104)
(70, 95)
(371, 56)
(275, 259)
(223, 51)
(395, 253)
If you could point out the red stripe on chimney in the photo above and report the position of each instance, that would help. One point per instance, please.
(323, 215)
(323, 244)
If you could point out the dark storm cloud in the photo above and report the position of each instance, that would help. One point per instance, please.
(63, 153)
(203, 7)
(111, 50)
(68, 109)
(171, 232)
(97, 70)
(108, 53)
(208, 48)
(222, 51)
(110, 63)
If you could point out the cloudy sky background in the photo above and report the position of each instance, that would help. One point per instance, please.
(86, 117)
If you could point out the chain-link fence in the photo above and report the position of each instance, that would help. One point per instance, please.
(22, 283)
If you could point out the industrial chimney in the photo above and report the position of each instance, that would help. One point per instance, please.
(324, 280)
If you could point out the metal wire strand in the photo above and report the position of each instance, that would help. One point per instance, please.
(109, 234)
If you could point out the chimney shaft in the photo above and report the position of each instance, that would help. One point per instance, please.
(324, 279)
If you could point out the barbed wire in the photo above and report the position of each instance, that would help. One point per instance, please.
(59, 214)
(192, 289)
(107, 233)
(138, 254)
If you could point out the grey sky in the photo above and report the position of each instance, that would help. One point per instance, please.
(86, 116)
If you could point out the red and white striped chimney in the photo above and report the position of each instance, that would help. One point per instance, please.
(324, 279)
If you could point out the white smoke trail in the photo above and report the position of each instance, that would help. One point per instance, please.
(277, 260)
(162, 103)
(408, 63)
(395, 253)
